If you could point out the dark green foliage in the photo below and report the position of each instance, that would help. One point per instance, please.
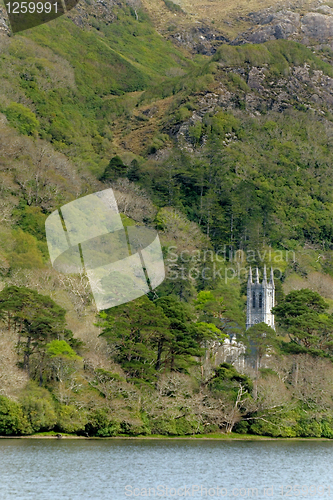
(303, 315)
(135, 427)
(31, 220)
(133, 330)
(101, 424)
(115, 169)
(254, 188)
(36, 318)
(260, 340)
(227, 380)
(173, 6)
(164, 426)
(133, 172)
(147, 336)
(184, 337)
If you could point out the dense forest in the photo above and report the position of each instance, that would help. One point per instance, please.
(228, 155)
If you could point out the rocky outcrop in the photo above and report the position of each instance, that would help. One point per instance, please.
(202, 39)
(309, 28)
(4, 23)
(318, 26)
(272, 25)
(303, 89)
(283, 24)
(86, 15)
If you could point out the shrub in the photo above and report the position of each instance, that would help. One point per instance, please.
(22, 118)
(173, 6)
(70, 419)
(187, 425)
(12, 420)
(327, 428)
(308, 428)
(165, 427)
(38, 408)
(101, 424)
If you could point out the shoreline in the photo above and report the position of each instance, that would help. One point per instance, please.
(223, 437)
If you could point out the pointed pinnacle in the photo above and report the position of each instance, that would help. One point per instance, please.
(265, 274)
(257, 276)
(271, 279)
(250, 276)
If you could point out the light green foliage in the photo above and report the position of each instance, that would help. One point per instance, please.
(280, 54)
(39, 409)
(60, 348)
(70, 419)
(12, 420)
(307, 427)
(223, 123)
(26, 252)
(22, 118)
(31, 220)
(157, 143)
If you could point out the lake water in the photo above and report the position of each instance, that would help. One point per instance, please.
(40, 469)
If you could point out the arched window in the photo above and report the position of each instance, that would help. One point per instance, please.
(253, 300)
(260, 300)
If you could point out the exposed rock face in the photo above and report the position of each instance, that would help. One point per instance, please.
(270, 25)
(87, 15)
(318, 26)
(201, 38)
(302, 88)
(4, 24)
(283, 24)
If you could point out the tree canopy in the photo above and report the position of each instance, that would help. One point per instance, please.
(302, 314)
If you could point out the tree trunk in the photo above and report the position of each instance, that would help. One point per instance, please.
(296, 366)
(255, 385)
(26, 362)
(159, 354)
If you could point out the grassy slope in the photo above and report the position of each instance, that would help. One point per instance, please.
(66, 75)
(226, 15)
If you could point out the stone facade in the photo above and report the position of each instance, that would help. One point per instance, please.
(260, 300)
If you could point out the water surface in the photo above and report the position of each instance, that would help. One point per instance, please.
(121, 469)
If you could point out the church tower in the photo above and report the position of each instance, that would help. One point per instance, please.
(260, 300)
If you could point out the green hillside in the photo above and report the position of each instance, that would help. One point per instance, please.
(229, 157)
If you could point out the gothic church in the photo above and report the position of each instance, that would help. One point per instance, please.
(260, 300)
